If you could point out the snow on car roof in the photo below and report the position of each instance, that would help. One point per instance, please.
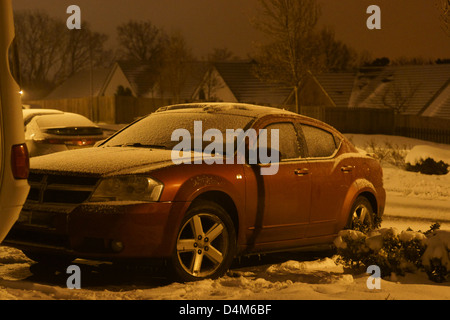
(28, 114)
(63, 120)
(230, 108)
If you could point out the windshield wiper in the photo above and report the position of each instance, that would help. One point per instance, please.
(140, 145)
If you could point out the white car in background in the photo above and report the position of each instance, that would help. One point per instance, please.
(14, 161)
(49, 131)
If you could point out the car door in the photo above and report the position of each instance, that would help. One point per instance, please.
(330, 180)
(286, 194)
(14, 163)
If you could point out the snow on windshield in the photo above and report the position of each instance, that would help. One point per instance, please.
(157, 129)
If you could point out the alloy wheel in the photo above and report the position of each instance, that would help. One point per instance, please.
(202, 245)
(362, 215)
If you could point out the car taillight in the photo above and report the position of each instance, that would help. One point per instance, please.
(82, 142)
(20, 161)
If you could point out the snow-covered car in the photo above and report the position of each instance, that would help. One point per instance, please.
(13, 151)
(145, 193)
(49, 131)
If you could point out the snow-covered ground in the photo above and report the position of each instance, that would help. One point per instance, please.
(414, 200)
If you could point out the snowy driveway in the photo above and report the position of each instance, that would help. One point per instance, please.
(285, 276)
(413, 200)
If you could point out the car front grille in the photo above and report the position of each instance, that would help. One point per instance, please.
(49, 188)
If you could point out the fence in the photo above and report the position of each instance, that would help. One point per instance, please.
(129, 108)
(114, 110)
(425, 128)
(382, 121)
(122, 110)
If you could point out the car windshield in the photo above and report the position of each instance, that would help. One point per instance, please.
(156, 130)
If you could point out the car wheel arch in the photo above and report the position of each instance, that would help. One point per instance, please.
(222, 199)
(213, 188)
(372, 199)
(360, 187)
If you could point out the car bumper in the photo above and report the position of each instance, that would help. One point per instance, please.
(13, 196)
(99, 231)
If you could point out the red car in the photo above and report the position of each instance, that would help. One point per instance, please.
(143, 194)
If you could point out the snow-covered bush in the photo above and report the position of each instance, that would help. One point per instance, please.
(429, 166)
(389, 152)
(436, 258)
(396, 252)
(428, 159)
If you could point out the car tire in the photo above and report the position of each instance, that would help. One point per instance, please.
(362, 217)
(206, 243)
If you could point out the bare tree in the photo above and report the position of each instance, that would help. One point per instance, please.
(444, 10)
(141, 41)
(39, 45)
(398, 97)
(336, 54)
(402, 60)
(292, 51)
(210, 83)
(83, 49)
(221, 54)
(49, 53)
(176, 66)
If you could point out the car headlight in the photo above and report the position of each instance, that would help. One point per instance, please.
(128, 188)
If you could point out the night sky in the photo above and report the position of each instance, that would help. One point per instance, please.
(410, 28)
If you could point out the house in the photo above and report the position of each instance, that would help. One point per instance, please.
(178, 85)
(139, 77)
(325, 90)
(422, 90)
(414, 89)
(105, 82)
(88, 83)
(237, 82)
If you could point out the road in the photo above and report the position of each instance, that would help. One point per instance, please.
(418, 214)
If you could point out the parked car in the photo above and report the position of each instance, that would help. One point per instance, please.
(49, 131)
(14, 160)
(132, 196)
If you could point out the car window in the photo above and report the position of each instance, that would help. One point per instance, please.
(288, 140)
(320, 143)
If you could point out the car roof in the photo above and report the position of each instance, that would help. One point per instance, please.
(242, 109)
(65, 118)
(29, 114)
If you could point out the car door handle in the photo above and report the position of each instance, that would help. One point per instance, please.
(301, 172)
(347, 168)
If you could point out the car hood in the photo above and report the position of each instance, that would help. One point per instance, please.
(103, 161)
